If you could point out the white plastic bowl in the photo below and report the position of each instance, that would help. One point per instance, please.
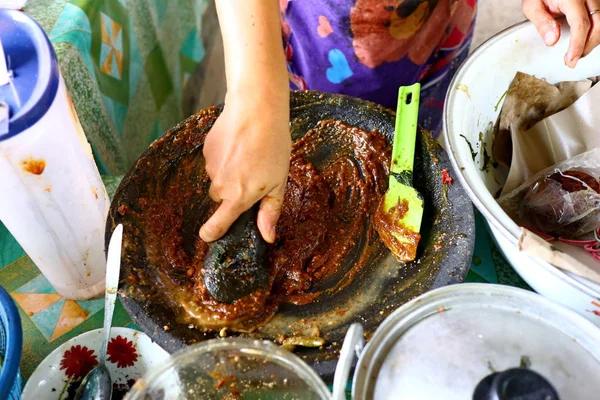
(473, 104)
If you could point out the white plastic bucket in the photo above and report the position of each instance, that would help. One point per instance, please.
(52, 198)
(473, 103)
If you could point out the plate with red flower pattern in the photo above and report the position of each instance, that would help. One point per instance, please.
(130, 354)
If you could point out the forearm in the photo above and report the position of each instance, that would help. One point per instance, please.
(254, 57)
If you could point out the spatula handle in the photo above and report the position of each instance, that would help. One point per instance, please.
(405, 134)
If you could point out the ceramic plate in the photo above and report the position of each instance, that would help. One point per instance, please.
(130, 354)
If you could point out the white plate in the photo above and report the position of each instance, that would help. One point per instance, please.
(130, 355)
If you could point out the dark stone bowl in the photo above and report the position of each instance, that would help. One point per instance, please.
(444, 255)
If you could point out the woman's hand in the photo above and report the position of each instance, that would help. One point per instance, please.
(247, 154)
(585, 26)
(247, 151)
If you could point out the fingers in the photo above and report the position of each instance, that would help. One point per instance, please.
(579, 21)
(544, 22)
(221, 220)
(213, 193)
(594, 35)
(269, 212)
(229, 211)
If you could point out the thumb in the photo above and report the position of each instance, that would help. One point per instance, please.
(544, 22)
(218, 224)
(269, 212)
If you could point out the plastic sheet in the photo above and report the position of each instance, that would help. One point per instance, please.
(548, 135)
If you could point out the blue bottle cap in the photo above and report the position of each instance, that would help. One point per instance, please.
(33, 73)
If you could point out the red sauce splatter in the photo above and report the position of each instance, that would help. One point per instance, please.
(446, 178)
(34, 166)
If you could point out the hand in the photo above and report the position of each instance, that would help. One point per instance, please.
(247, 154)
(585, 28)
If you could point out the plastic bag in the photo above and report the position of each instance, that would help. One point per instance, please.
(562, 200)
(552, 122)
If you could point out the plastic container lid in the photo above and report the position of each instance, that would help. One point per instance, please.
(481, 341)
(11, 344)
(27, 57)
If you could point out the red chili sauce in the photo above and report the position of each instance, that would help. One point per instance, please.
(327, 209)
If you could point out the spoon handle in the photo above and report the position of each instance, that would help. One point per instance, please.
(113, 268)
(352, 347)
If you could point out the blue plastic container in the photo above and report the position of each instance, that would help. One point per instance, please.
(11, 345)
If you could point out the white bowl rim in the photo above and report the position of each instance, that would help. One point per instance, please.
(511, 230)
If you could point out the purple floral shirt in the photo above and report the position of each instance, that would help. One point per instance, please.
(369, 48)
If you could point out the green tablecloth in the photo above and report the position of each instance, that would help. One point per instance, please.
(134, 68)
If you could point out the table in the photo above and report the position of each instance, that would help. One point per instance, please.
(134, 68)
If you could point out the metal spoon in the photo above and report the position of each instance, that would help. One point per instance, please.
(97, 384)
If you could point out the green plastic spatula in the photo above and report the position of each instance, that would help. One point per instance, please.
(399, 215)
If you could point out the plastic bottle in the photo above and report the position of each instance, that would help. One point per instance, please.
(52, 198)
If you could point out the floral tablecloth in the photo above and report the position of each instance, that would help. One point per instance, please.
(134, 68)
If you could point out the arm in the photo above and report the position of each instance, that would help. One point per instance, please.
(247, 151)
(585, 28)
